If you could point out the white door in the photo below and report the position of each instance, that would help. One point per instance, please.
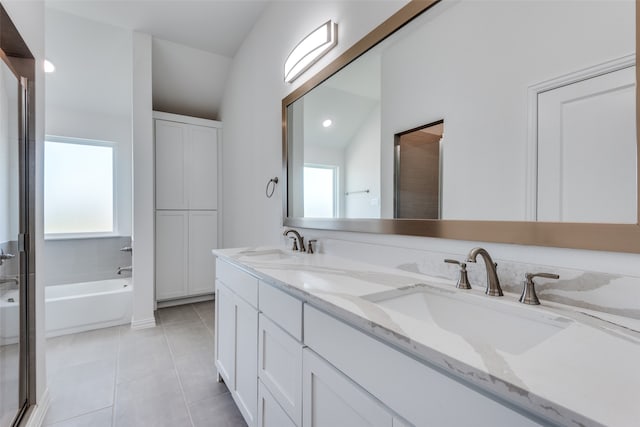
(171, 254)
(170, 142)
(330, 399)
(587, 151)
(203, 237)
(202, 175)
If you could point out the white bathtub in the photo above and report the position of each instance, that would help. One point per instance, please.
(9, 317)
(84, 306)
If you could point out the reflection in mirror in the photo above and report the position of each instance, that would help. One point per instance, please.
(10, 258)
(521, 143)
(417, 172)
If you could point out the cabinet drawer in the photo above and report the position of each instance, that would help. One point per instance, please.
(282, 308)
(420, 394)
(240, 282)
(270, 414)
(331, 399)
(280, 367)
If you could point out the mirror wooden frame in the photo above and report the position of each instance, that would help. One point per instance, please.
(603, 237)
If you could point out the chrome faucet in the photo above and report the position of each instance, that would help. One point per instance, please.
(493, 284)
(121, 269)
(298, 242)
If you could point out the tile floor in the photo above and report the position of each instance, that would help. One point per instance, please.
(162, 376)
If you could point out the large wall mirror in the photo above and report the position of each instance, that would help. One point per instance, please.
(482, 120)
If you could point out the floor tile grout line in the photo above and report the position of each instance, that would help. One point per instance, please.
(75, 416)
(115, 379)
(175, 368)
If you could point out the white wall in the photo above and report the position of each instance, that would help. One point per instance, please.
(362, 155)
(251, 110)
(89, 97)
(143, 184)
(251, 113)
(29, 20)
(188, 81)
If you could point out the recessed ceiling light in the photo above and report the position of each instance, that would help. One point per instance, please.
(327, 123)
(48, 66)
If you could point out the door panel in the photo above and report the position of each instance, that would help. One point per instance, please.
(203, 237)
(584, 129)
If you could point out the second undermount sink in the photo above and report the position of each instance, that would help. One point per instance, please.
(481, 321)
(269, 255)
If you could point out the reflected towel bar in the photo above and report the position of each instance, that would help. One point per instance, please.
(356, 192)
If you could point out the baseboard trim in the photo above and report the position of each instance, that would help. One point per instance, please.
(35, 417)
(181, 301)
(143, 323)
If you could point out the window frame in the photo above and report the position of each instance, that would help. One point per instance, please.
(114, 185)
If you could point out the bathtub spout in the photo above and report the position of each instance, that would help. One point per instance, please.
(14, 280)
(121, 269)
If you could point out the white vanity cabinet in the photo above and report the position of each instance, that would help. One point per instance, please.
(270, 413)
(331, 399)
(287, 363)
(419, 393)
(186, 202)
(236, 353)
(280, 349)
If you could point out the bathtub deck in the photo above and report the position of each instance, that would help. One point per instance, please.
(163, 376)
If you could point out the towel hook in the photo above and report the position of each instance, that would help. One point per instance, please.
(273, 180)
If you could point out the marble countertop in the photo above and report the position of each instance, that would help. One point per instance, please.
(585, 373)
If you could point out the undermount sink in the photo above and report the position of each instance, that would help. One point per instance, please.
(479, 320)
(269, 255)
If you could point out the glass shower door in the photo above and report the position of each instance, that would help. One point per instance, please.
(12, 314)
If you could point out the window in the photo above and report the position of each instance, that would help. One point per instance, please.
(78, 187)
(320, 183)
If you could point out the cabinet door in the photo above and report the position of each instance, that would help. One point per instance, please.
(203, 236)
(280, 367)
(331, 399)
(202, 181)
(225, 335)
(170, 140)
(246, 383)
(270, 414)
(171, 254)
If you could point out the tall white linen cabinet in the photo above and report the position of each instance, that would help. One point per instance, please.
(186, 205)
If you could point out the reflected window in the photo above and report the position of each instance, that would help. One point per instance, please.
(320, 193)
(78, 187)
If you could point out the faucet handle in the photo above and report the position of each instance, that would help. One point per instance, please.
(529, 290)
(310, 245)
(295, 244)
(463, 279)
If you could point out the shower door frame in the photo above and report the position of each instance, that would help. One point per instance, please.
(15, 53)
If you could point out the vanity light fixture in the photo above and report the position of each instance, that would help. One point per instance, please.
(48, 66)
(310, 49)
(327, 123)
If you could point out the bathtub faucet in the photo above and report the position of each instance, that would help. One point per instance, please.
(14, 280)
(121, 269)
